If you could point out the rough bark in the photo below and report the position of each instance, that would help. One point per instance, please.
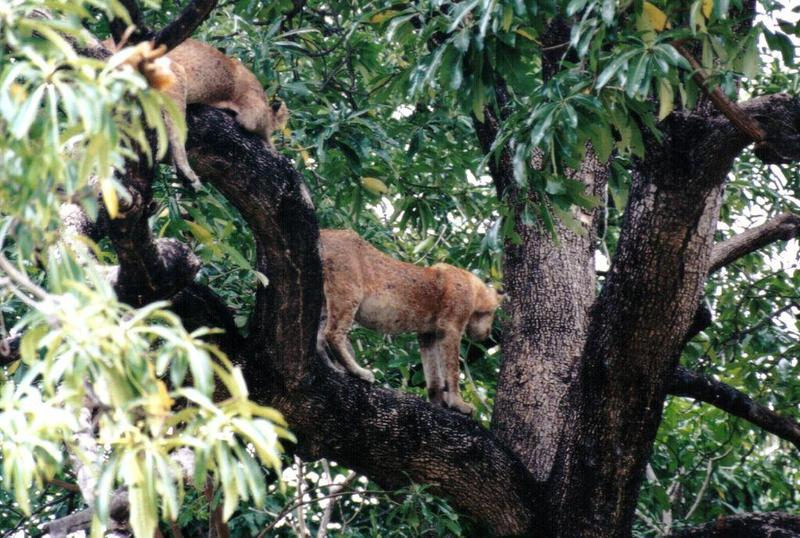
(551, 284)
(751, 525)
(644, 311)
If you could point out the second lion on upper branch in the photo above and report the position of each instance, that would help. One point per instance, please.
(202, 74)
(439, 303)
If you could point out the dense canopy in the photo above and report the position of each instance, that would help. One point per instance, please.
(625, 170)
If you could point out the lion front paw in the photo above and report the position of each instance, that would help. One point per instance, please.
(366, 375)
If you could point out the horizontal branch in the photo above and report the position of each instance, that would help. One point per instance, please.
(118, 511)
(783, 227)
(705, 389)
(750, 525)
(397, 439)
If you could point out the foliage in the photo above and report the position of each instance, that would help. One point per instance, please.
(68, 122)
(384, 98)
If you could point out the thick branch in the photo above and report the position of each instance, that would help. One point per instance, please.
(149, 269)
(751, 525)
(391, 437)
(9, 350)
(705, 389)
(61, 528)
(646, 307)
(783, 227)
(396, 438)
(273, 200)
(187, 22)
(778, 115)
(199, 306)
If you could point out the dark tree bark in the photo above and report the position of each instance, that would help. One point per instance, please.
(761, 525)
(639, 320)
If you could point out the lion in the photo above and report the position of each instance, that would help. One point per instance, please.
(439, 303)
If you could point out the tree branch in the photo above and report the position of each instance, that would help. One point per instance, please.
(393, 438)
(119, 26)
(705, 389)
(751, 525)
(778, 115)
(61, 528)
(9, 349)
(149, 269)
(744, 123)
(187, 22)
(783, 227)
(199, 306)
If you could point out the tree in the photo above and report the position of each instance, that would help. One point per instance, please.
(551, 131)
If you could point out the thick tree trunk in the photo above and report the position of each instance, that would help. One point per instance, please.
(639, 321)
(551, 285)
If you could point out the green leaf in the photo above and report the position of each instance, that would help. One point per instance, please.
(666, 98)
(613, 68)
(27, 114)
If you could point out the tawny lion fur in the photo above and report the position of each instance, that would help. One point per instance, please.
(205, 75)
(438, 303)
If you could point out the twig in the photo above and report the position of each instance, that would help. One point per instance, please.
(649, 522)
(335, 488)
(20, 278)
(69, 486)
(287, 511)
(300, 516)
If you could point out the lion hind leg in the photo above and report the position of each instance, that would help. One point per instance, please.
(177, 92)
(434, 380)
